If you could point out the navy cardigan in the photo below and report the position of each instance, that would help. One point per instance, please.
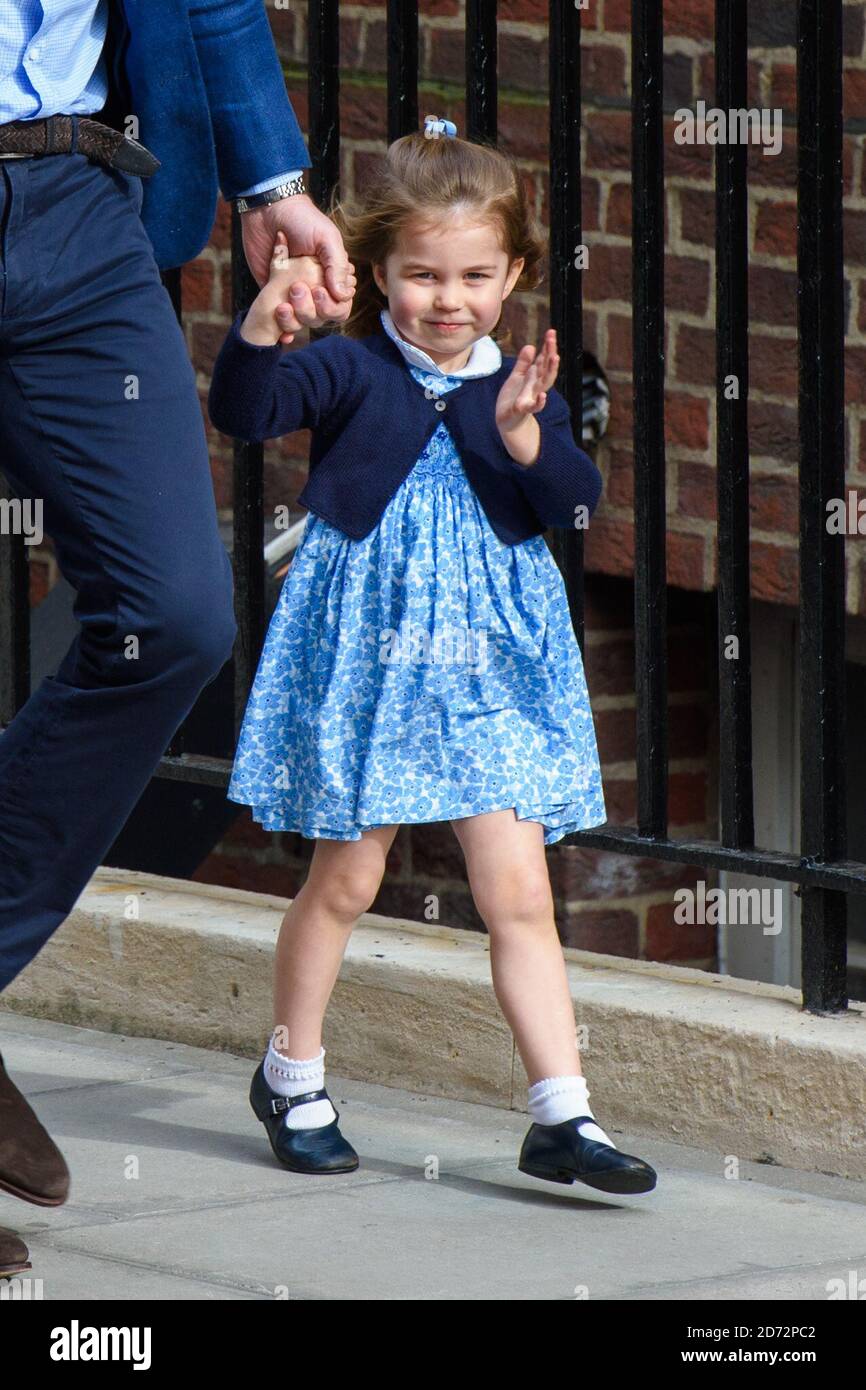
(370, 419)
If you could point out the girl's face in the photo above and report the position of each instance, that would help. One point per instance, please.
(445, 285)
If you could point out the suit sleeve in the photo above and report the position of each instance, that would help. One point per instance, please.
(256, 132)
(563, 476)
(259, 393)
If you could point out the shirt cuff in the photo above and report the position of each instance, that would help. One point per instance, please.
(268, 183)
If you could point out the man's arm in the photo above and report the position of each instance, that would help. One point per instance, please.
(256, 132)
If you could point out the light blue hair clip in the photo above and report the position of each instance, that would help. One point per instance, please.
(434, 126)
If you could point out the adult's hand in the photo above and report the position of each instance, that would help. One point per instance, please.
(308, 233)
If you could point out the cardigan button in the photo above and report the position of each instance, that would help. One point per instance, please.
(429, 393)
(440, 405)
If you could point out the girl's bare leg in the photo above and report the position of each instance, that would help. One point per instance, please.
(510, 884)
(511, 887)
(342, 883)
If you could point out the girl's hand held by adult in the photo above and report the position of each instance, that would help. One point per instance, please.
(323, 298)
(523, 395)
(271, 312)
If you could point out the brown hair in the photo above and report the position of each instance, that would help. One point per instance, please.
(420, 180)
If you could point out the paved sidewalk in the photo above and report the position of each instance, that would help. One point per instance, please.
(210, 1215)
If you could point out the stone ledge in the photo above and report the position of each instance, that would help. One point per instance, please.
(671, 1051)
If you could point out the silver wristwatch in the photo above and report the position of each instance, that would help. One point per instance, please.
(271, 195)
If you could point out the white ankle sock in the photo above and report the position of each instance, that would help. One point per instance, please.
(559, 1098)
(291, 1076)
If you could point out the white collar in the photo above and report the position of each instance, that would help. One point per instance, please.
(484, 359)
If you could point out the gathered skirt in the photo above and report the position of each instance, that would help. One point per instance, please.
(425, 673)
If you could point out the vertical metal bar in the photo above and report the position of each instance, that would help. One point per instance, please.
(247, 517)
(732, 439)
(648, 226)
(482, 73)
(14, 619)
(820, 290)
(402, 30)
(323, 56)
(171, 280)
(323, 87)
(566, 282)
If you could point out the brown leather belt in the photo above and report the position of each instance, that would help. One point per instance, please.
(78, 135)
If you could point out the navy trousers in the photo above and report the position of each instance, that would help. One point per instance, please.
(100, 420)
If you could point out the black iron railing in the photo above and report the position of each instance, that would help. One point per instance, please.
(824, 876)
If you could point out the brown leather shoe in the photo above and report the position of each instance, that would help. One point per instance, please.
(31, 1165)
(13, 1254)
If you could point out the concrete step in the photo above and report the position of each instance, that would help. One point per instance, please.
(669, 1051)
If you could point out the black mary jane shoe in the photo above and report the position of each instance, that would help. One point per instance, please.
(560, 1153)
(321, 1150)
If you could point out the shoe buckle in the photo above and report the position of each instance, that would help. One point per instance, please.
(280, 1103)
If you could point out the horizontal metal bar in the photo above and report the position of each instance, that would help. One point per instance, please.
(845, 875)
(195, 767)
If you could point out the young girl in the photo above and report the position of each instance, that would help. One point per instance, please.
(421, 663)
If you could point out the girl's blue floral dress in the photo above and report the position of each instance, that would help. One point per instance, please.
(425, 673)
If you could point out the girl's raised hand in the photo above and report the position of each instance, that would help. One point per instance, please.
(525, 391)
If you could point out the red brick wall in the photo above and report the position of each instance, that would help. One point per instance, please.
(690, 342)
(689, 268)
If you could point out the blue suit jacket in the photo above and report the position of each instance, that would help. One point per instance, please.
(205, 82)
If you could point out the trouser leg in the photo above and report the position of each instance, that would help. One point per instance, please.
(100, 421)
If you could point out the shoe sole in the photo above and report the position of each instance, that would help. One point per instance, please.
(9, 1271)
(613, 1181)
(31, 1196)
(293, 1168)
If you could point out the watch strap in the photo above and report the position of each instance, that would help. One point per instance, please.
(272, 195)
